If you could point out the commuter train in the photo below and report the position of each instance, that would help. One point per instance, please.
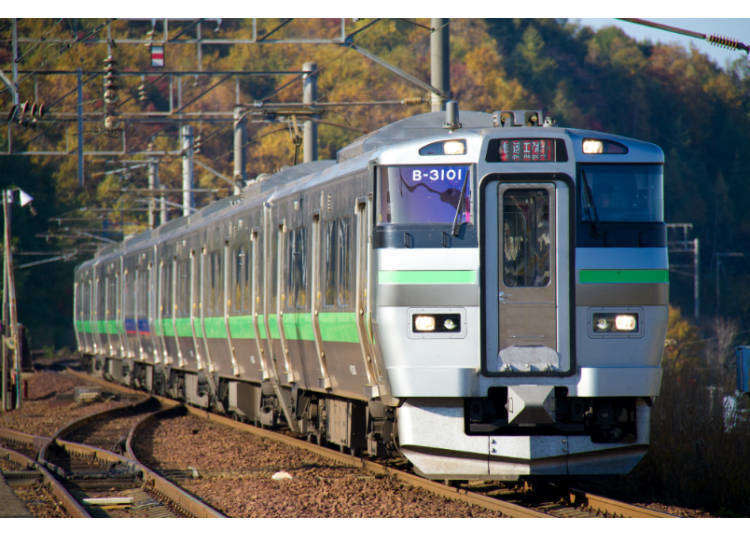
(485, 295)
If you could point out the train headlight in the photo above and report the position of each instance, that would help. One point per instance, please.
(452, 147)
(615, 322)
(593, 147)
(602, 324)
(449, 324)
(424, 323)
(626, 322)
(436, 323)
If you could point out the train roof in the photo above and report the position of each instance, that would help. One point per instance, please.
(418, 126)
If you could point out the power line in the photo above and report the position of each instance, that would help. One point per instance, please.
(711, 38)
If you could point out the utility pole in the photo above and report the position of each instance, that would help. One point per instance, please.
(440, 61)
(3, 348)
(187, 169)
(15, 61)
(79, 75)
(309, 96)
(240, 138)
(153, 183)
(10, 322)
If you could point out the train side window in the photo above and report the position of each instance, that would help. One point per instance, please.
(142, 298)
(299, 257)
(290, 265)
(330, 261)
(100, 305)
(273, 248)
(117, 297)
(129, 293)
(183, 288)
(246, 253)
(235, 287)
(218, 282)
(112, 297)
(344, 253)
(210, 285)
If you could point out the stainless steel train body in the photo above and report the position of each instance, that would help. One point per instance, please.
(489, 299)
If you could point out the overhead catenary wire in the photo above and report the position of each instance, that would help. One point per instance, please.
(711, 38)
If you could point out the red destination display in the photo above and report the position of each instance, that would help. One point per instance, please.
(526, 150)
(515, 150)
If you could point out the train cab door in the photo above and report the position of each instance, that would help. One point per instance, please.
(526, 258)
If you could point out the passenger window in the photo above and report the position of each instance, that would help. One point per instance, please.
(526, 238)
(331, 229)
(299, 267)
(344, 252)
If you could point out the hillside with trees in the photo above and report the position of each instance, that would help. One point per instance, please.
(696, 111)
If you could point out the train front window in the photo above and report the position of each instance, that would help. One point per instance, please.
(424, 194)
(621, 193)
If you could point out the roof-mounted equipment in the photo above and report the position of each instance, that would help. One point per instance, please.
(520, 118)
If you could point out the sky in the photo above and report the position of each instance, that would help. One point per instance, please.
(736, 28)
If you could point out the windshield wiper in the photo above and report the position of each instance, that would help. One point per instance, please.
(459, 206)
(590, 205)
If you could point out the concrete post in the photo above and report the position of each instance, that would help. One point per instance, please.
(187, 169)
(309, 96)
(240, 139)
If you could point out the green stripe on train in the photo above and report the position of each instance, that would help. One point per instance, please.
(427, 277)
(334, 327)
(623, 276)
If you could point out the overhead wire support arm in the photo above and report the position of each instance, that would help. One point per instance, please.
(403, 74)
(65, 257)
(212, 170)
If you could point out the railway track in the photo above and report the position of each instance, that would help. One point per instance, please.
(505, 501)
(81, 467)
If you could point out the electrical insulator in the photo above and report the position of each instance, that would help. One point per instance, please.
(109, 64)
(109, 122)
(197, 144)
(26, 112)
(110, 84)
(142, 92)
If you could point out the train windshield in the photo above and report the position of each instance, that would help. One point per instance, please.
(621, 193)
(424, 194)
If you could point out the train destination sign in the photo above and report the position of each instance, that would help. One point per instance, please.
(526, 150)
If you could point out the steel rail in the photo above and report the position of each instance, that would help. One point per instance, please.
(151, 479)
(72, 506)
(576, 496)
(495, 505)
(612, 506)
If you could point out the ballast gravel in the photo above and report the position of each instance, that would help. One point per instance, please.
(236, 476)
(50, 404)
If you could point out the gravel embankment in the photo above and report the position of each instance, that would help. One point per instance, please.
(237, 468)
(50, 404)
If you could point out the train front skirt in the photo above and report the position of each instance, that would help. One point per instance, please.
(433, 439)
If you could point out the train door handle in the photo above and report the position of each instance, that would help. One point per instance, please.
(502, 297)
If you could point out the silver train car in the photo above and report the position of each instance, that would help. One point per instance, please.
(487, 298)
